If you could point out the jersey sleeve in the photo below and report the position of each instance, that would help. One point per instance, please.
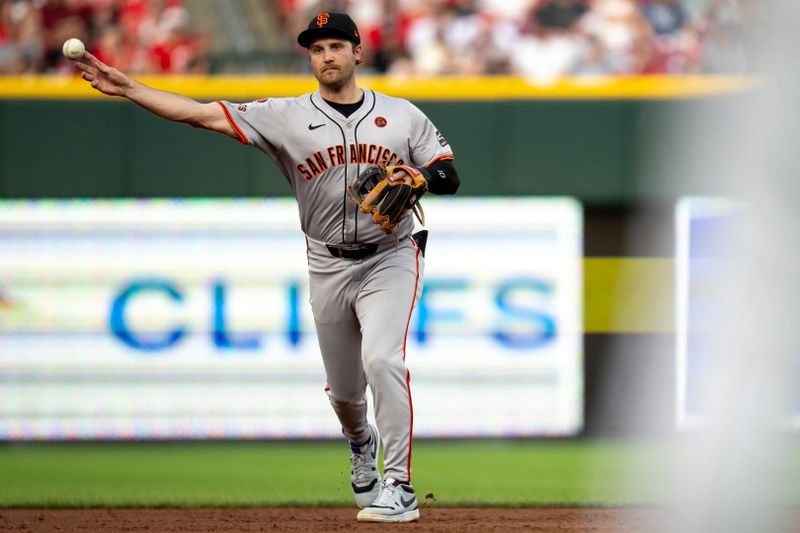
(257, 123)
(426, 144)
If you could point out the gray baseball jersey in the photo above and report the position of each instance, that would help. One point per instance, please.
(320, 152)
(361, 307)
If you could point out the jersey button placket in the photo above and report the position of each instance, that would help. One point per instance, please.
(351, 212)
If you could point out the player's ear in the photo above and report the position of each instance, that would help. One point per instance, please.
(359, 53)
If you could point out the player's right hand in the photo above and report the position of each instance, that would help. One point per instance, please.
(400, 176)
(105, 79)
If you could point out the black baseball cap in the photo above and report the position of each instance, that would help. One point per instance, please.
(329, 25)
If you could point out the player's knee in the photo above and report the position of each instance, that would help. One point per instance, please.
(378, 367)
(346, 397)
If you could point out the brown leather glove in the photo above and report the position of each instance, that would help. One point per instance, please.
(374, 192)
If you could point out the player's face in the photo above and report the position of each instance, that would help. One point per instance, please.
(333, 61)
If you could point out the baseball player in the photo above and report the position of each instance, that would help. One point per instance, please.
(365, 277)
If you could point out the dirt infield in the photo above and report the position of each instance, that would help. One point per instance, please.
(327, 519)
(336, 519)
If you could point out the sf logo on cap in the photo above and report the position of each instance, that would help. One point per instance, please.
(322, 19)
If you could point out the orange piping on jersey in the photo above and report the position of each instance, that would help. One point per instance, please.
(411, 425)
(408, 374)
(413, 301)
(242, 137)
(443, 157)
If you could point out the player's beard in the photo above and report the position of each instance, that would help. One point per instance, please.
(337, 78)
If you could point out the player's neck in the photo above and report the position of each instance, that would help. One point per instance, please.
(347, 94)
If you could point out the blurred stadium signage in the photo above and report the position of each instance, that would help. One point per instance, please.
(705, 229)
(190, 319)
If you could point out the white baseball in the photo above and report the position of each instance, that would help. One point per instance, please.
(73, 49)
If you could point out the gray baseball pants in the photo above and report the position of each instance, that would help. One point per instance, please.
(362, 310)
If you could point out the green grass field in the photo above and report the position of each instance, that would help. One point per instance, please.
(236, 474)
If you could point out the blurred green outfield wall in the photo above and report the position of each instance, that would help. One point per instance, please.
(591, 138)
(86, 148)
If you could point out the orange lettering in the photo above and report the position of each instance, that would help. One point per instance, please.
(321, 161)
(383, 156)
(331, 156)
(312, 166)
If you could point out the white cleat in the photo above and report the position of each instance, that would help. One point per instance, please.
(364, 477)
(397, 503)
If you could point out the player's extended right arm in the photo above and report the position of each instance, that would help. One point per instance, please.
(171, 106)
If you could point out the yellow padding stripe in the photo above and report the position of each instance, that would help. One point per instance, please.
(629, 295)
(241, 88)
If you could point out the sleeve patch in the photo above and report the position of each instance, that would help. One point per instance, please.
(441, 139)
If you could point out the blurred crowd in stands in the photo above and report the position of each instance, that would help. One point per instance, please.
(538, 39)
(546, 39)
(136, 36)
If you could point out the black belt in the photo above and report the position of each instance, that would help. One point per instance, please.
(366, 249)
(352, 251)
